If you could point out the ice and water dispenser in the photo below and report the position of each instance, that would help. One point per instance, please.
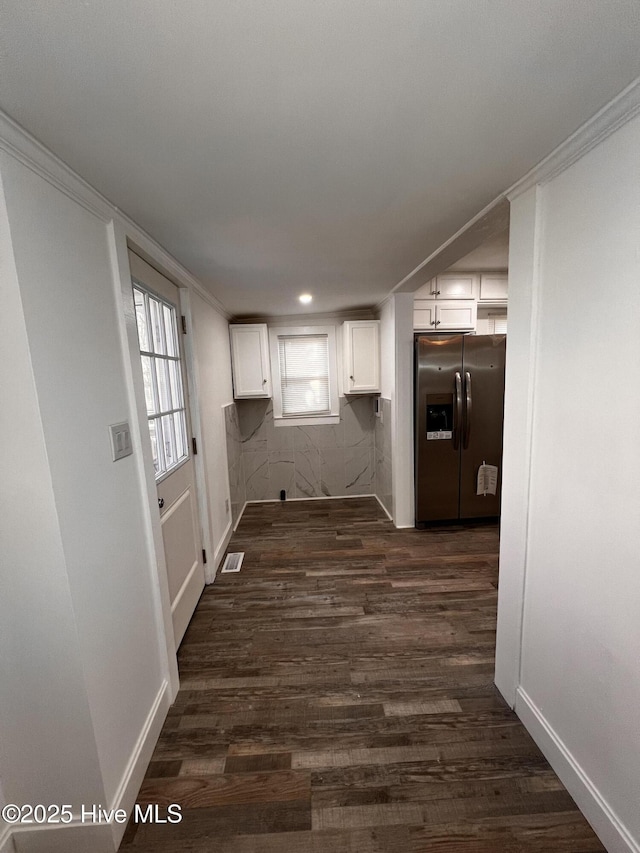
(439, 417)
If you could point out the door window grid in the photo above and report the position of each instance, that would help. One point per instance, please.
(162, 376)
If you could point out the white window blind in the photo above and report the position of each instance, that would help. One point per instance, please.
(304, 374)
(500, 325)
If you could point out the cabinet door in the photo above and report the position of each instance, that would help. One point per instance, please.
(456, 286)
(250, 361)
(424, 315)
(493, 288)
(456, 316)
(361, 357)
(427, 291)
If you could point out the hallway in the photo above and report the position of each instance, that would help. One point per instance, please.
(337, 696)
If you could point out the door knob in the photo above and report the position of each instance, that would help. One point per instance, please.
(160, 502)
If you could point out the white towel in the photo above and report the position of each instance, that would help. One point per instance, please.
(487, 479)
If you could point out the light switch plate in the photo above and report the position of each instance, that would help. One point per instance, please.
(120, 436)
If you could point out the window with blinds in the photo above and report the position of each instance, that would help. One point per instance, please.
(304, 374)
(500, 325)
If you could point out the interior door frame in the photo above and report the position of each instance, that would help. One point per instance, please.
(196, 430)
(120, 243)
(187, 354)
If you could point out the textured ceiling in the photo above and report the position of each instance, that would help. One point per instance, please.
(329, 146)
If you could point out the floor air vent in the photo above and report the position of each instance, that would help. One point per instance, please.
(233, 562)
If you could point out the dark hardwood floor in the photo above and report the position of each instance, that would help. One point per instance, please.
(337, 697)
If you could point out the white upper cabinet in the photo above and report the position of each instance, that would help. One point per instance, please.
(250, 360)
(452, 315)
(447, 303)
(450, 286)
(424, 314)
(361, 357)
(494, 287)
(456, 315)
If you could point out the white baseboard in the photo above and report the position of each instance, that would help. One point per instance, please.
(134, 774)
(222, 547)
(606, 824)
(78, 837)
(6, 842)
(386, 511)
(70, 838)
(318, 498)
(239, 518)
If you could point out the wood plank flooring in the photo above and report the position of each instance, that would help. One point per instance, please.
(337, 697)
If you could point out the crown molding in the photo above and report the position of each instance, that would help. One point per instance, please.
(23, 147)
(212, 300)
(380, 305)
(491, 220)
(145, 247)
(19, 144)
(622, 109)
(606, 121)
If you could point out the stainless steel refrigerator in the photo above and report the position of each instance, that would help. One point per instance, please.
(459, 410)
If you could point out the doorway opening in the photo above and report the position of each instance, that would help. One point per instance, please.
(460, 327)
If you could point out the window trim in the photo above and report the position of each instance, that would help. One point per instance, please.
(333, 417)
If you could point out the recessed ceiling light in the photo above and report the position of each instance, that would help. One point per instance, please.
(305, 298)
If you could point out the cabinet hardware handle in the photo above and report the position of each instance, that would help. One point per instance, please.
(160, 502)
(351, 378)
(264, 381)
(432, 323)
(437, 293)
(437, 322)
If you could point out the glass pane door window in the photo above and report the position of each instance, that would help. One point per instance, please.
(162, 376)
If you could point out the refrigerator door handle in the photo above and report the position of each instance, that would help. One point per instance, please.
(468, 402)
(458, 420)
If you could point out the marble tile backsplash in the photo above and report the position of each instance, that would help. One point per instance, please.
(312, 461)
(234, 461)
(382, 455)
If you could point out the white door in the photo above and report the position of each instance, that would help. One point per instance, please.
(157, 303)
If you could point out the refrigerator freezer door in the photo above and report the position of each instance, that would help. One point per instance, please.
(483, 370)
(438, 427)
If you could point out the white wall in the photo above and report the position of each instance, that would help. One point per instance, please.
(47, 742)
(388, 348)
(84, 687)
(579, 688)
(402, 408)
(6, 843)
(396, 345)
(516, 461)
(212, 360)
